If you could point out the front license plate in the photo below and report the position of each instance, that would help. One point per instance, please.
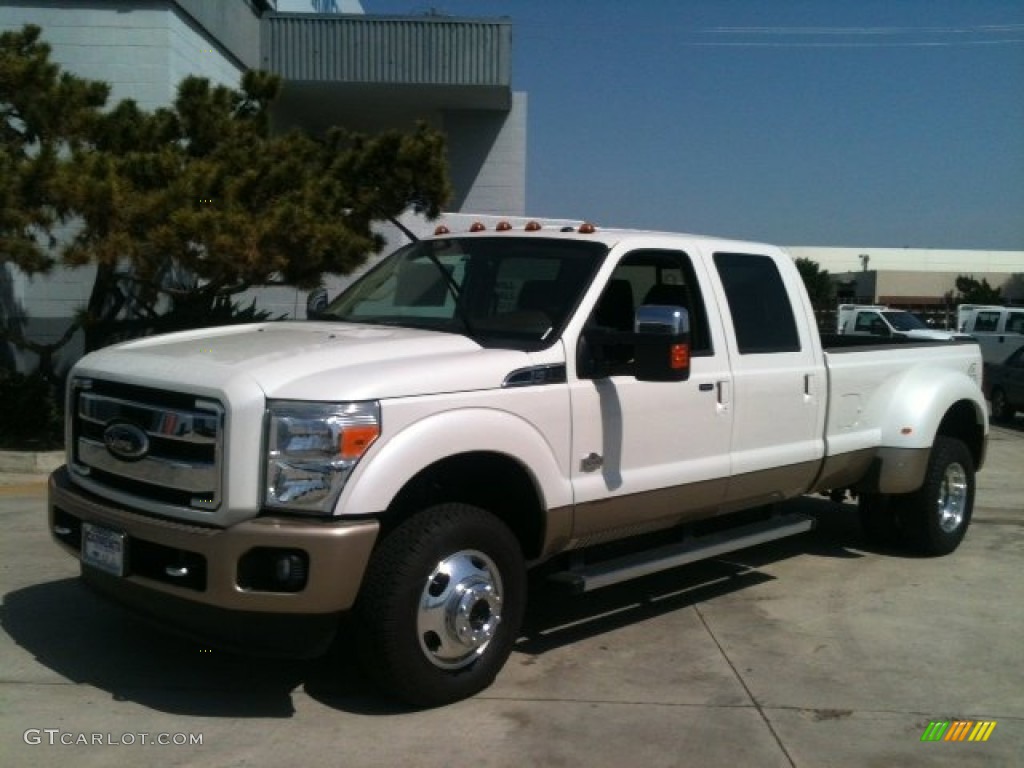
(103, 549)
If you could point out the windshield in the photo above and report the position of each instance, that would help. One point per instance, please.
(517, 289)
(904, 321)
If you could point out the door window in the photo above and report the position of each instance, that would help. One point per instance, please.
(986, 322)
(644, 277)
(759, 304)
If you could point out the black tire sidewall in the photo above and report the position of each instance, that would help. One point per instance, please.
(387, 608)
(924, 531)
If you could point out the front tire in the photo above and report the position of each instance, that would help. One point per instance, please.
(441, 605)
(938, 513)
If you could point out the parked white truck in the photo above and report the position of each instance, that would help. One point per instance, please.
(483, 403)
(998, 330)
(882, 321)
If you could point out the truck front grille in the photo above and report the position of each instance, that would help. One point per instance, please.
(155, 450)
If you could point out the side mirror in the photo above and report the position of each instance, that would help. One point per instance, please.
(657, 349)
(316, 303)
(661, 319)
(662, 337)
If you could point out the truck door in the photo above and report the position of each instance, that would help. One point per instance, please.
(649, 454)
(779, 384)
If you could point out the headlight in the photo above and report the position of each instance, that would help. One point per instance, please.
(312, 449)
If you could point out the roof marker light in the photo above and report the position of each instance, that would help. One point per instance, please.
(532, 226)
(586, 228)
(502, 226)
(441, 229)
(477, 226)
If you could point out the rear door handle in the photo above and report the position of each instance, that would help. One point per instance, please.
(724, 394)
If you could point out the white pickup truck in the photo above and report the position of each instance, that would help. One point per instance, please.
(480, 404)
(873, 320)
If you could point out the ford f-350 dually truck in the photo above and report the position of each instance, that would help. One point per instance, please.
(593, 404)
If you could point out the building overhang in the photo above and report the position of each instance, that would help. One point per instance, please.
(371, 69)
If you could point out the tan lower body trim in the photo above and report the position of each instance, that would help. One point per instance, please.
(338, 552)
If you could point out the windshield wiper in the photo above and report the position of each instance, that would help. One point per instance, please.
(449, 281)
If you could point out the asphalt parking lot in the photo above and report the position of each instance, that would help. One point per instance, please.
(812, 651)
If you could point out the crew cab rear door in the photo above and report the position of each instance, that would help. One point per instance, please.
(779, 386)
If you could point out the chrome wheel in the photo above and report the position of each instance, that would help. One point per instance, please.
(952, 500)
(459, 609)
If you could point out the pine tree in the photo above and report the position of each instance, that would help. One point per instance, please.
(44, 115)
(184, 207)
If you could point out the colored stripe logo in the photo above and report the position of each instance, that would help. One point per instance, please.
(958, 730)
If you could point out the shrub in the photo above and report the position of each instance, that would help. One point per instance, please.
(31, 415)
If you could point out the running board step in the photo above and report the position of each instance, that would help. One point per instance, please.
(603, 574)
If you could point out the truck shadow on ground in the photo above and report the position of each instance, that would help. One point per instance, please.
(84, 640)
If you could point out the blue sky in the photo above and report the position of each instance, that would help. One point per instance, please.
(895, 123)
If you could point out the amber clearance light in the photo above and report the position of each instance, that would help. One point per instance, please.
(679, 356)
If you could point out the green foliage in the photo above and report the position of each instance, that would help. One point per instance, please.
(1013, 288)
(971, 291)
(819, 285)
(181, 208)
(29, 413)
(43, 114)
(205, 188)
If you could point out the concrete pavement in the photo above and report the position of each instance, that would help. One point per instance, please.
(812, 651)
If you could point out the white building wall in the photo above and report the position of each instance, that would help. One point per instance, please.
(142, 50)
(488, 158)
(913, 259)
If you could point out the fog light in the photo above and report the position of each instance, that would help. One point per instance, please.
(265, 569)
(290, 571)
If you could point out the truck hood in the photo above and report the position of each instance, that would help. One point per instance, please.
(309, 361)
(930, 334)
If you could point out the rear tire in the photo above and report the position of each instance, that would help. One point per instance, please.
(441, 605)
(938, 513)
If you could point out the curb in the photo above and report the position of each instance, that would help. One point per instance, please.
(30, 462)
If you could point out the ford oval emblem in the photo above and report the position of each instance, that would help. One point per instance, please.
(126, 441)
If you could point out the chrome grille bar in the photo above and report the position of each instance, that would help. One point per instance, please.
(169, 424)
(167, 473)
(179, 464)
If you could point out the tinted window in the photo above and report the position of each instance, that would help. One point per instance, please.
(651, 277)
(758, 302)
(986, 321)
(867, 322)
(1015, 323)
(654, 277)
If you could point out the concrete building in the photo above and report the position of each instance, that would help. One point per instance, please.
(339, 66)
(919, 279)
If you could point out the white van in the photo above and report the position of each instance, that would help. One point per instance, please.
(999, 330)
